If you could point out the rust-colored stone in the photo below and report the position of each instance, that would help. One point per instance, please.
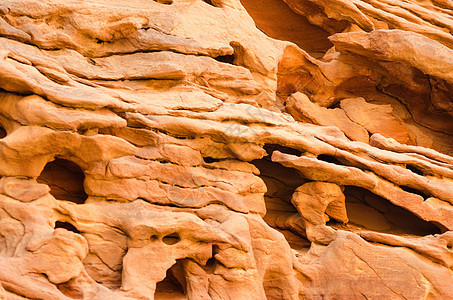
(174, 149)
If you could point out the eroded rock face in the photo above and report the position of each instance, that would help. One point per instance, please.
(172, 150)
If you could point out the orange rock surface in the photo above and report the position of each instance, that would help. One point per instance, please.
(225, 149)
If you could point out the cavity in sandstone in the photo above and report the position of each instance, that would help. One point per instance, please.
(189, 149)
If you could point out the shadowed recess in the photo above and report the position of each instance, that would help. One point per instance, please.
(67, 226)
(166, 2)
(414, 191)
(415, 169)
(281, 183)
(328, 158)
(211, 263)
(228, 59)
(2, 132)
(209, 2)
(65, 180)
(270, 148)
(372, 212)
(174, 285)
(171, 239)
(71, 289)
(276, 19)
(209, 160)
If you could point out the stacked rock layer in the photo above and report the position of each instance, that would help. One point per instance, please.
(181, 149)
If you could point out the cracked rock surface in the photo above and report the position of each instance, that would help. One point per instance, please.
(189, 149)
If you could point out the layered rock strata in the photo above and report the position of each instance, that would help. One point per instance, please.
(172, 150)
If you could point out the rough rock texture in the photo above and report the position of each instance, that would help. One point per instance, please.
(170, 149)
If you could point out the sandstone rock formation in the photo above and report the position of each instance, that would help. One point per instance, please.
(170, 149)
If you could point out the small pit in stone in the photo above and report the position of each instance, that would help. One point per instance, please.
(65, 180)
(166, 2)
(329, 158)
(209, 2)
(66, 225)
(228, 59)
(171, 239)
(209, 160)
(2, 132)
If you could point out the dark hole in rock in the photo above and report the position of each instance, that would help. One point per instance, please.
(209, 160)
(440, 226)
(329, 158)
(171, 239)
(153, 238)
(65, 180)
(414, 169)
(335, 104)
(166, 2)
(413, 191)
(272, 147)
(334, 223)
(211, 263)
(2, 132)
(229, 59)
(281, 183)
(373, 212)
(174, 285)
(209, 2)
(67, 226)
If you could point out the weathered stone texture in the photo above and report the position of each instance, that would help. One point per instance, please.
(170, 149)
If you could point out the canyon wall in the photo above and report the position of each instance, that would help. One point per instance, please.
(189, 149)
